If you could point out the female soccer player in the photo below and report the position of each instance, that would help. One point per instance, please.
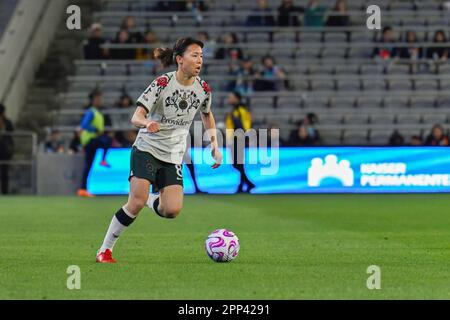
(164, 112)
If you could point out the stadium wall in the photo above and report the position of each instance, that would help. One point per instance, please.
(24, 46)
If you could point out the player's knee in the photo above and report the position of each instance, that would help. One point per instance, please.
(172, 212)
(136, 205)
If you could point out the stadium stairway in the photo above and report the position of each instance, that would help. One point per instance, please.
(52, 74)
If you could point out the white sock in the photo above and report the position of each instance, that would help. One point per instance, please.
(120, 221)
(151, 202)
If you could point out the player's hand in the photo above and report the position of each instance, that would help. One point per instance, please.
(153, 127)
(217, 155)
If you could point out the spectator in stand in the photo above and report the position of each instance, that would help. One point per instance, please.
(438, 54)
(6, 148)
(92, 46)
(396, 139)
(416, 141)
(437, 137)
(262, 16)
(153, 42)
(185, 5)
(75, 143)
(129, 24)
(208, 45)
(387, 49)
(270, 77)
(314, 14)
(288, 14)
(231, 50)
(122, 120)
(339, 16)
(244, 73)
(412, 53)
(54, 144)
(196, 5)
(301, 136)
(123, 37)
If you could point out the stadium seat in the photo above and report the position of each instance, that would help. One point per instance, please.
(355, 137)
(396, 102)
(369, 102)
(424, 103)
(408, 118)
(342, 102)
(356, 119)
(382, 119)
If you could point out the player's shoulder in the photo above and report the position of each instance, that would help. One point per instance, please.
(164, 79)
(203, 85)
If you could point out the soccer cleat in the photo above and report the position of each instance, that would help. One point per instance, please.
(105, 257)
(84, 193)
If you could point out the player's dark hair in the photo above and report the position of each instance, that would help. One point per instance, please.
(2, 108)
(168, 56)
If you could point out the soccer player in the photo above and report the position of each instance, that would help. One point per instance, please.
(164, 113)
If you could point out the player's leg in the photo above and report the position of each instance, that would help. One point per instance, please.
(169, 202)
(124, 217)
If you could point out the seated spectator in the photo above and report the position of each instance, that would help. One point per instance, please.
(309, 121)
(147, 53)
(387, 48)
(208, 45)
(123, 37)
(243, 82)
(396, 139)
(339, 16)
(416, 141)
(288, 14)
(92, 46)
(314, 14)
(437, 137)
(301, 136)
(129, 24)
(231, 50)
(196, 5)
(438, 53)
(413, 53)
(125, 106)
(270, 77)
(186, 5)
(75, 143)
(54, 144)
(262, 16)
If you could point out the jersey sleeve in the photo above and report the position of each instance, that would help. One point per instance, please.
(149, 98)
(206, 105)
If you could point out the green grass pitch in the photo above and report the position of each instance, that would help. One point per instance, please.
(292, 247)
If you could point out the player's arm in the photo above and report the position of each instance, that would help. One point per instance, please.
(210, 126)
(140, 120)
(145, 104)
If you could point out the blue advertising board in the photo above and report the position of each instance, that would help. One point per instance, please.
(300, 170)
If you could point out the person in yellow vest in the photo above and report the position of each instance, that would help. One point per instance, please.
(239, 118)
(92, 138)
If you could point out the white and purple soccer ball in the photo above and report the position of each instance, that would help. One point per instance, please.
(222, 245)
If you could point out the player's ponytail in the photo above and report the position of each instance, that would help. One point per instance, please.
(165, 55)
(168, 56)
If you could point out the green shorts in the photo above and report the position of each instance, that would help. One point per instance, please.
(160, 174)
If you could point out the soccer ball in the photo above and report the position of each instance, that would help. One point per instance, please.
(222, 245)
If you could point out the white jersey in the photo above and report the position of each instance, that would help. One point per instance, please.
(173, 106)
